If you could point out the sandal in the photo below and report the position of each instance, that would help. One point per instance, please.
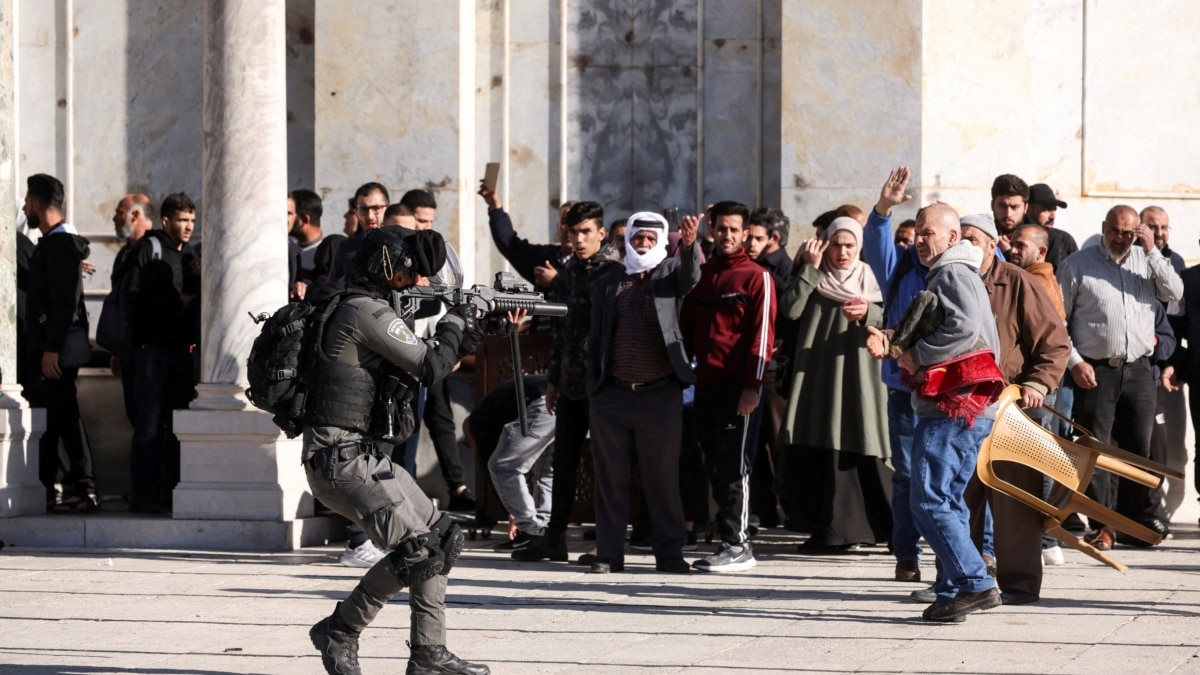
(85, 504)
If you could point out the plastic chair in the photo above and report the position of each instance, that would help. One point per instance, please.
(1017, 438)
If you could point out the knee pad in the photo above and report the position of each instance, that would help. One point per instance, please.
(417, 559)
(450, 539)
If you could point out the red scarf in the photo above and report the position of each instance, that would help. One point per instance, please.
(962, 387)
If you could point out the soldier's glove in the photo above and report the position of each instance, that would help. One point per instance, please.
(467, 313)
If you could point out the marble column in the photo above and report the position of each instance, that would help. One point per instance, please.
(235, 464)
(20, 426)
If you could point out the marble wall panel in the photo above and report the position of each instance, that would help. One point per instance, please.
(664, 114)
(387, 102)
(489, 119)
(733, 20)
(770, 101)
(1142, 100)
(664, 139)
(851, 101)
(732, 121)
(102, 34)
(8, 223)
(41, 87)
(301, 52)
(599, 104)
(977, 120)
(164, 108)
(631, 104)
(1056, 64)
(663, 32)
(533, 179)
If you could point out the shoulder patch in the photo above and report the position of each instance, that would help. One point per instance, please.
(399, 332)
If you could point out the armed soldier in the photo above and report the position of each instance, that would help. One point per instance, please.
(362, 349)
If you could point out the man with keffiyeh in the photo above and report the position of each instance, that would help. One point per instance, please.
(637, 367)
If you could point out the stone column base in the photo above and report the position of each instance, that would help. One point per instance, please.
(21, 493)
(237, 465)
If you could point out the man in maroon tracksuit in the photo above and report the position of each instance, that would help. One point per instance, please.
(728, 325)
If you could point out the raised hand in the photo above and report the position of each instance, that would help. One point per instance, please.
(813, 250)
(489, 196)
(689, 228)
(893, 191)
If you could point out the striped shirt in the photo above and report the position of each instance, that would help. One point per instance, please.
(1110, 306)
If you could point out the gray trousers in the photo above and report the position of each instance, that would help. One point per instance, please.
(522, 469)
(647, 425)
(383, 499)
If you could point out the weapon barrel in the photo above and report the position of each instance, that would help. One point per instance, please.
(534, 307)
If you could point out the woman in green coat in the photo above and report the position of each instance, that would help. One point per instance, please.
(834, 481)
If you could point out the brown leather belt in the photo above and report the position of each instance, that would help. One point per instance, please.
(645, 386)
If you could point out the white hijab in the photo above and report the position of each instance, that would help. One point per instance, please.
(856, 281)
(636, 263)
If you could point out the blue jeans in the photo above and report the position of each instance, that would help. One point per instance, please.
(944, 452)
(901, 421)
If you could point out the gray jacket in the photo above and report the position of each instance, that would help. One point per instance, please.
(672, 279)
(969, 325)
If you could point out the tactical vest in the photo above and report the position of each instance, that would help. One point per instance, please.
(352, 397)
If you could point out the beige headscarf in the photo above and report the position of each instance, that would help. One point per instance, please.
(857, 281)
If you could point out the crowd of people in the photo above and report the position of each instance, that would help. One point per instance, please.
(769, 382)
(698, 360)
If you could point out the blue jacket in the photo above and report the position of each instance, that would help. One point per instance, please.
(884, 257)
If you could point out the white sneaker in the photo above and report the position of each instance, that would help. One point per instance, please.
(364, 556)
(1053, 556)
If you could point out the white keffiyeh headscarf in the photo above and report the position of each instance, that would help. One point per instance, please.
(636, 263)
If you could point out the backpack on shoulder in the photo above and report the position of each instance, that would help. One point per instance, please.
(280, 356)
(114, 330)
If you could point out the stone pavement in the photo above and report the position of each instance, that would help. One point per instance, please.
(199, 613)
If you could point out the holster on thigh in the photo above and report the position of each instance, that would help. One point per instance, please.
(450, 540)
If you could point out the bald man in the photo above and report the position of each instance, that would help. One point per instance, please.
(133, 218)
(945, 447)
(1114, 286)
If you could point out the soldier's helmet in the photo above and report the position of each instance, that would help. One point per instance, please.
(388, 250)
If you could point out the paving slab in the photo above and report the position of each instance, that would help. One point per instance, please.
(67, 612)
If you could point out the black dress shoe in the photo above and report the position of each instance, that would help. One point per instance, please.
(607, 566)
(962, 605)
(673, 566)
(908, 570)
(1158, 526)
(586, 559)
(1013, 597)
(1130, 540)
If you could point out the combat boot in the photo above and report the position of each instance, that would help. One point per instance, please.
(431, 659)
(338, 645)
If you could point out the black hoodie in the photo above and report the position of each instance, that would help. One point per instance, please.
(55, 300)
